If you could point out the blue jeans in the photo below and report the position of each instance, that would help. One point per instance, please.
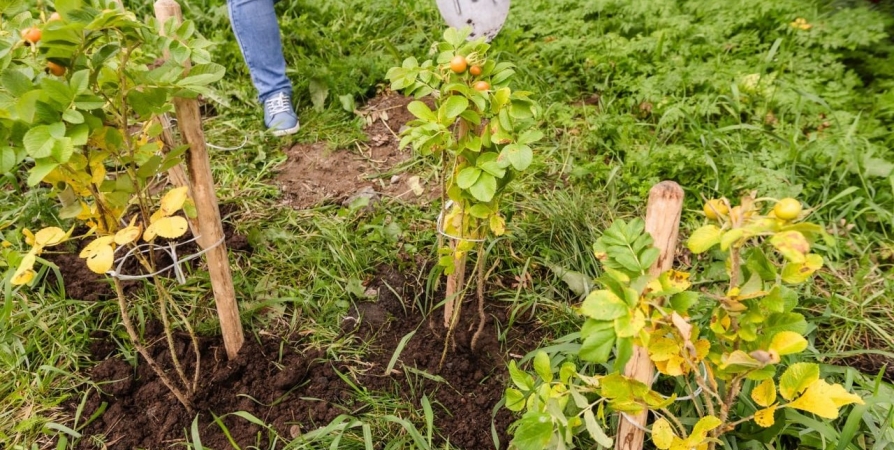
(257, 32)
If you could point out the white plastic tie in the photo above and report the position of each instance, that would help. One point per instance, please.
(170, 248)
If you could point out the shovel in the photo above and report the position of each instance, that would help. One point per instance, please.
(486, 17)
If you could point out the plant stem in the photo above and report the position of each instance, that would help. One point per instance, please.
(169, 333)
(456, 296)
(676, 422)
(135, 338)
(482, 317)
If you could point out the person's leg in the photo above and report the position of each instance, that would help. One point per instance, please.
(256, 28)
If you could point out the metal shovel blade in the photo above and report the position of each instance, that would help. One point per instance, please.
(486, 17)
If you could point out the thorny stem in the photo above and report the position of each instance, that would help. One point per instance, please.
(459, 271)
(135, 338)
(169, 334)
(482, 317)
(676, 422)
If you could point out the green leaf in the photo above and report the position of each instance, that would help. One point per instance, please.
(520, 156)
(780, 299)
(604, 305)
(204, 74)
(42, 167)
(488, 163)
(73, 116)
(597, 347)
(39, 142)
(683, 301)
(319, 91)
(704, 238)
(596, 432)
(8, 159)
(521, 379)
(62, 150)
(79, 82)
(529, 136)
(467, 177)
(15, 82)
(796, 378)
(534, 431)
(543, 367)
(421, 111)
(480, 211)
(485, 188)
(452, 108)
(515, 400)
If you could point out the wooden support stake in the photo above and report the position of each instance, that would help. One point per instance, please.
(199, 167)
(663, 223)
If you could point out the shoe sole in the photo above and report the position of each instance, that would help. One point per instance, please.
(287, 131)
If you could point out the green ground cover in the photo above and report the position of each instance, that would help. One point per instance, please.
(722, 97)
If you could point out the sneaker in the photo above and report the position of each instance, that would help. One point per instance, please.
(279, 116)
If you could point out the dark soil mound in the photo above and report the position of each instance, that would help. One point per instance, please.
(296, 390)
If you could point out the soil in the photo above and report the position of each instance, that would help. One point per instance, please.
(294, 389)
(83, 284)
(315, 175)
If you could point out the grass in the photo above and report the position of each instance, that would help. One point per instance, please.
(634, 92)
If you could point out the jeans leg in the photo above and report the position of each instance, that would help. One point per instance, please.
(257, 32)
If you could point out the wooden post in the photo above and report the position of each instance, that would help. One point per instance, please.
(663, 223)
(199, 167)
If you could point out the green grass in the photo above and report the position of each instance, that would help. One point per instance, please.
(673, 103)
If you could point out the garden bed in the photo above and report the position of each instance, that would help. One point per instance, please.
(291, 386)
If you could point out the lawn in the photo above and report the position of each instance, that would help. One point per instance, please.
(333, 233)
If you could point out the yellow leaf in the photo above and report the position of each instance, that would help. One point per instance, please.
(173, 200)
(49, 236)
(841, 397)
(22, 276)
(787, 343)
(817, 400)
(97, 243)
(702, 348)
(797, 273)
(127, 235)
(102, 259)
(704, 238)
(25, 273)
(792, 245)
(701, 429)
(156, 216)
(661, 349)
(796, 378)
(497, 225)
(739, 358)
(29, 236)
(662, 434)
(166, 227)
(764, 394)
(764, 417)
(676, 366)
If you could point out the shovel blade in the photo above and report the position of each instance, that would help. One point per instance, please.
(486, 17)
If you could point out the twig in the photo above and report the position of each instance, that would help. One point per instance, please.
(482, 317)
(135, 338)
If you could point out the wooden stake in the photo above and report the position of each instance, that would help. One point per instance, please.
(211, 229)
(663, 223)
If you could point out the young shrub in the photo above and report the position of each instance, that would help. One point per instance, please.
(481, 131)
(89, 129)
(732, 354)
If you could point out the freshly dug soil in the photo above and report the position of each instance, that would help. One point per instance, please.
(295, 389)
(315, 175)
